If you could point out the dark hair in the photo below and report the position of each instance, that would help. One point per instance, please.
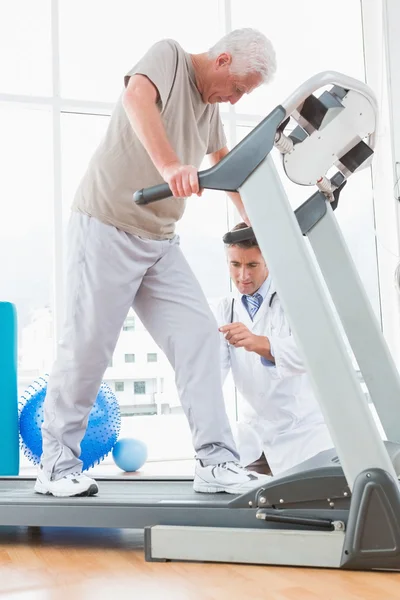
(245, 244)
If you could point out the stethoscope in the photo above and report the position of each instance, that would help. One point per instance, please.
(233, 304)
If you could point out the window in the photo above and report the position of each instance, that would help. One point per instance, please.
(139, 387)
(129, 358)
(25, 47)
(152, 357)
(319, 51)
(119, 386)
(129, 324)
(110, 364)
(95, 70)
(26, 229)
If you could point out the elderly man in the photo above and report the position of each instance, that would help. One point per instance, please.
(123, 255)
(258, 345)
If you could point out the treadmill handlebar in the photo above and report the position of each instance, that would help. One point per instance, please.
(306, 215)
(152, 194)
(161, 191)
(233, 170)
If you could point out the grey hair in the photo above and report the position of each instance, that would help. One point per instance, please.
(251, 51)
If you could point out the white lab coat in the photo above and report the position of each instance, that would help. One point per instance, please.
(277, 401)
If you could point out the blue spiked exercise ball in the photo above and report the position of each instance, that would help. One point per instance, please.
(102, 431)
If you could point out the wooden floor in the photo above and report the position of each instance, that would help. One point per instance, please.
(108, 564)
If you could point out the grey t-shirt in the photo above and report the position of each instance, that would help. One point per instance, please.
(121, 165)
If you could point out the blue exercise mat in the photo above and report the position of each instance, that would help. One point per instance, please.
(9, 431)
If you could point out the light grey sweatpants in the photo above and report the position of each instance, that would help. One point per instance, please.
(108, 272)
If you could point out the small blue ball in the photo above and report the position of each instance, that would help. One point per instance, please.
(129, 454)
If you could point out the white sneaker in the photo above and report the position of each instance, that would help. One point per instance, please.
(73, 484)
(227, 477)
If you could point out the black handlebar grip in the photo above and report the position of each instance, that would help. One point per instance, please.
(240, 235)
(152, 194)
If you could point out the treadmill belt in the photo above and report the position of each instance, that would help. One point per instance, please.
(114, 491)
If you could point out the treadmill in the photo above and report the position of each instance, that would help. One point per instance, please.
(340, 509)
